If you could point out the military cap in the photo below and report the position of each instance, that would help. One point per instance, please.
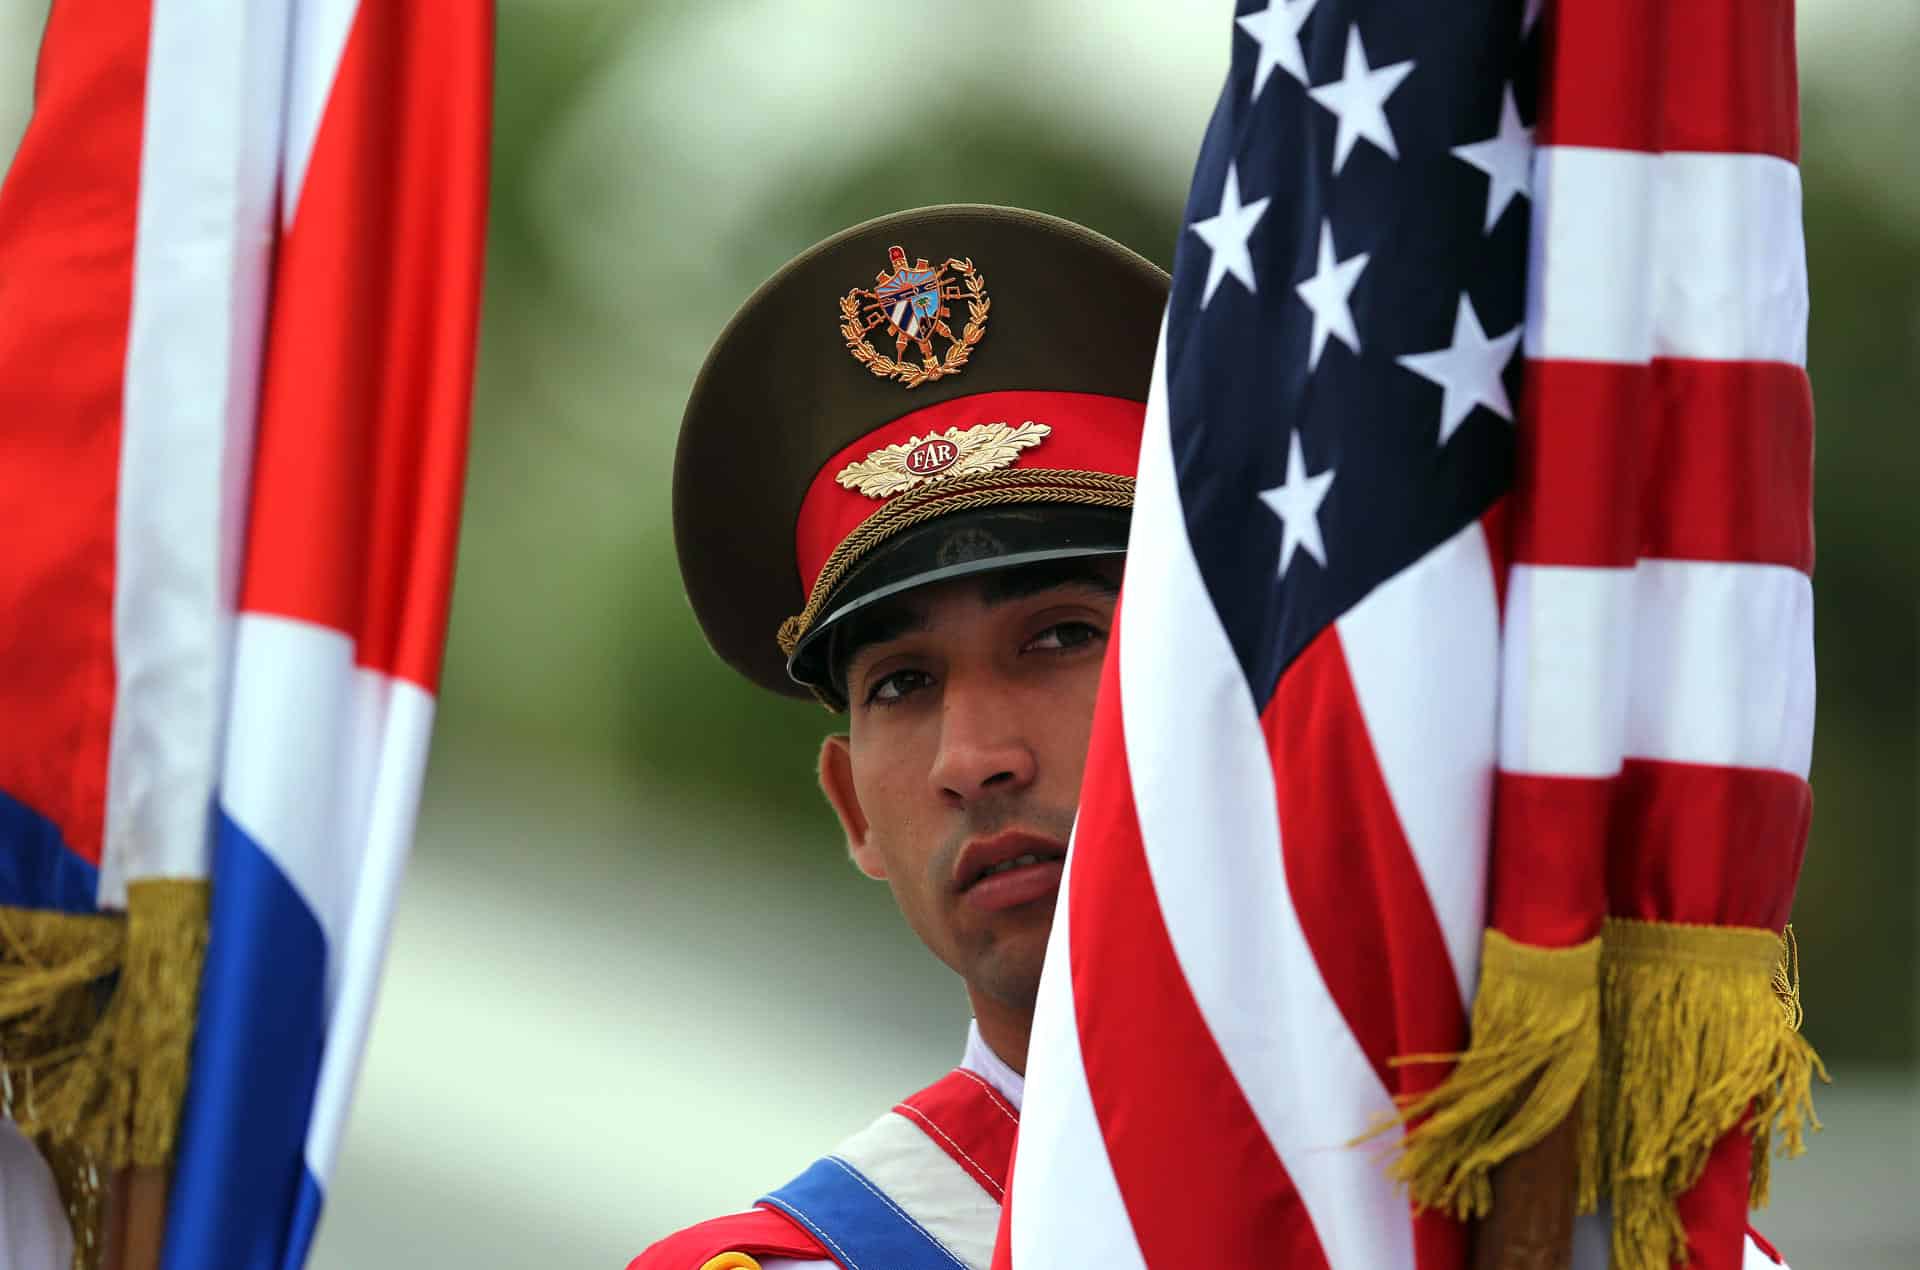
(929, 394)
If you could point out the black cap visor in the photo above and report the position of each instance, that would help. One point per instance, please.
(956, 546)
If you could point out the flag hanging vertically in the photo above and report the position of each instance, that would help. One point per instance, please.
(1337, 723)
(1277, 874)
(1657, 687)
(240, 253)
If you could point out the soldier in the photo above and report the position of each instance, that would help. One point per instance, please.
(932, 548)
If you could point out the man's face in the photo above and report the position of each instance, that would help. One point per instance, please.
(970, 705)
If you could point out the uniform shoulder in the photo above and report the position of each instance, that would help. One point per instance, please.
(757, 1233)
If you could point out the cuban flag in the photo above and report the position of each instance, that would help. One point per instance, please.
(240, 264)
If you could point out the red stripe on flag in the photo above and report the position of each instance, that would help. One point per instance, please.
(1644, 75)
(1363, 909)
(1714, 1209)
(67, 224)
(1707, 845)
(1733, 429)
(1579, 428)
(1548, 871)
(1355, 884)
(1201, 1182)
(1627, 461)
(369, 371)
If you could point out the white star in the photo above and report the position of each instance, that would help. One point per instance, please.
(1276, 29)
(1359, 99)
(1506, 157)
(1531, 16)
(1296, 501)
(1225, 233)
(1469, 372)
(1326, 294)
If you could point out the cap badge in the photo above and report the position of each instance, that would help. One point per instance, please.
(912, 302)
(939, 456)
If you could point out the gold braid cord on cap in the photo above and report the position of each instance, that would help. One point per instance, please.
(940, 498)
(96, 1026)
(1701, 1039)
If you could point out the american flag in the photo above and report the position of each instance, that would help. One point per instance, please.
(1280, 873)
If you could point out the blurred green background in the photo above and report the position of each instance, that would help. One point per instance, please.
(634, 981)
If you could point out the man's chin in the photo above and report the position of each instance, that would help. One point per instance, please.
(1009, 971)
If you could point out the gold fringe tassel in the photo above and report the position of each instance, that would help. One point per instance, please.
(1536, 1038)
(1701, 1039)
(96, 1025)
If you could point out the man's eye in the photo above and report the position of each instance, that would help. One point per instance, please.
(1063, 636)
(890, 689)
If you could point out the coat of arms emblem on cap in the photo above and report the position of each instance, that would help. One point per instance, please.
(939, 456)
(912, 302)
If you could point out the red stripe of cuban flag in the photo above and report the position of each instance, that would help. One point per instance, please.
(240, 249)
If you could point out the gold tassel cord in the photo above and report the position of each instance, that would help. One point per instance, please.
(1536, 1039)
(96, 1025)
(1701, 1040)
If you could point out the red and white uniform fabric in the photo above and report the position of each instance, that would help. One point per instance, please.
(240, 253)
(941, 1156)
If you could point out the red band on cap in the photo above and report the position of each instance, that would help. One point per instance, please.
(1089, 433)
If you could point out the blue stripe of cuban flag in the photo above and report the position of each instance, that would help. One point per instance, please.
(37, 871)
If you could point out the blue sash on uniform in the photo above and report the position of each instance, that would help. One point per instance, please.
(854, 1218)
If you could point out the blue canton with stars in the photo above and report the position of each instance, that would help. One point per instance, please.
(1343, 363)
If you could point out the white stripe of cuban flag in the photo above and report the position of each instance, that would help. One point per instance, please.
(231, 110)
(338, 617)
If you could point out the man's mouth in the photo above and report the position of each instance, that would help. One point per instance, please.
(1009, 868)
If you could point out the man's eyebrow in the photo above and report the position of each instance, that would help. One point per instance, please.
(1019, 584)
(877, 626)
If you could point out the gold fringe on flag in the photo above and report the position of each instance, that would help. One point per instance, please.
(96, 1025)
(1535, 1042)
(1701, 1038)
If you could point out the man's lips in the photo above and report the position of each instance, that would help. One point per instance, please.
(1009, 868)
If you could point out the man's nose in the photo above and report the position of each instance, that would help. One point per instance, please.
(983, 745)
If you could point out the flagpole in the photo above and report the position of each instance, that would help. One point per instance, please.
(1530, 1224)
(136, 1224)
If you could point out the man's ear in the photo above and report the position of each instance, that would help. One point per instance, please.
(836, 782)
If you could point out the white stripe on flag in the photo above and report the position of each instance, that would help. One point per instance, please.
(209, 153)
(1442, 684)
(1722, 665)
(1685, 255)
(341, 830)
(283, 782)
(1060, 1136)
(1563, 672)
(320, 29)
(1682, 661)
(393, 722)
(1216, 867)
